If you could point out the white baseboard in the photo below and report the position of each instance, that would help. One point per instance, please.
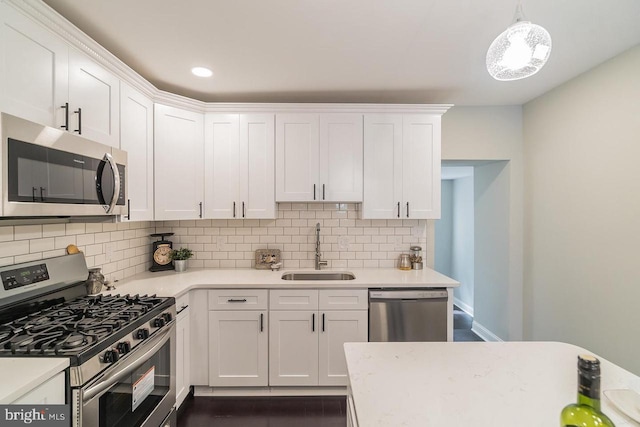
(463, 306)
(484, 333)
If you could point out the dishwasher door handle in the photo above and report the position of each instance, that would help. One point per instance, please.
(408, 295)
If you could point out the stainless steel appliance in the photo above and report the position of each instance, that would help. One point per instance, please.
(121, 348)
(408, 315)
(50, 172)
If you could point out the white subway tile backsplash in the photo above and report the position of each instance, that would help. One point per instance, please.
(25, 232)
(6, 234)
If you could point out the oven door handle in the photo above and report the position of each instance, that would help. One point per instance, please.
(147, 350)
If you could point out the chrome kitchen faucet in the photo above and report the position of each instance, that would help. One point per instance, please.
(319, 263)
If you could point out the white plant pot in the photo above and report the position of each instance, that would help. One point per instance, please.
(180, 265)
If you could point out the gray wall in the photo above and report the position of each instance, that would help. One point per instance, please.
(582, 148)
(444, 230)
(474, 136)
(462, 255)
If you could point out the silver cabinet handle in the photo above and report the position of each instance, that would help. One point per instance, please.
(322, 322)
(244, 212)
(313, 322)
(322, 191)
(237, 300)
(129, 209)
(200, 205)
(398, 209)
(407, 209)
(261, 322)
(234, 209)
(314, 191)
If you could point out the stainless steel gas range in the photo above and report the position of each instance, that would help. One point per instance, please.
(121, 348)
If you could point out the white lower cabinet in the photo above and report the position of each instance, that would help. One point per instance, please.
(183, 349)
(51, 392)
(282, 337)
(306, 346)
(293, 348)
(337, 328)
(238, 338)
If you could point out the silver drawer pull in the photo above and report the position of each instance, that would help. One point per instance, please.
(237, 300)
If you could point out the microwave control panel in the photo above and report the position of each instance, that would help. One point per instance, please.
(24, 276)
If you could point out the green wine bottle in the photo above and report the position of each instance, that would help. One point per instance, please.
(586, 413)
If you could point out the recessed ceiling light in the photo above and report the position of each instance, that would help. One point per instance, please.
(202, 72)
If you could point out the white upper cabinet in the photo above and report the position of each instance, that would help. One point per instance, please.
(136, 138)
(341, 157)
(34, 78)
(402, 166)
(297, 151)
(382, 166)
(179, 165)
(94, 95)
(421, 166)
(45, 81)
(222, 157)
(319, 157)
(239, 166)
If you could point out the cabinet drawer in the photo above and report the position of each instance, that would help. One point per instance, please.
(344, 299)
(293, 299)
(182, 301)
(238, 299)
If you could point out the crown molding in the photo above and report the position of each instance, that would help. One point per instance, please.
(52, 20)
(56, 23)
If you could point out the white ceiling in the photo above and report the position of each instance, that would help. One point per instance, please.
(377, 51)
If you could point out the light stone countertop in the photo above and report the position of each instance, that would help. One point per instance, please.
(172, 284)
(524, 384)
(20, 375)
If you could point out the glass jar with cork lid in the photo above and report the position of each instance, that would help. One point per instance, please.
(416, 258)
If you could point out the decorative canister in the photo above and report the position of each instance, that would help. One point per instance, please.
(405, 262)
(95, 281)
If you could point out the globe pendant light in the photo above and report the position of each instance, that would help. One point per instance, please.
(520, 51)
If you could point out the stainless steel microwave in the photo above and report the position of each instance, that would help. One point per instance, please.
(51, 172)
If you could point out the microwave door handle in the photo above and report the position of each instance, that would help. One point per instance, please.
(147, 349)
(116, 185)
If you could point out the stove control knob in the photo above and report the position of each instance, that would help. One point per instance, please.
(110, 356)
(141, 334)
(167, 317)
(124, 347)
(158, 322)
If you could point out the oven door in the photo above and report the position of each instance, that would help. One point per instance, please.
(138, 391)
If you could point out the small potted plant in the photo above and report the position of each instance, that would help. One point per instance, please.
(180, 257)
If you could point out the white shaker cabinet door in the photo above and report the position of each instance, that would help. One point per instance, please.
(293, 348)
(257, 166)
(136, 138)
(297, 154)
(337, 328)
(179, 165)
(340, 158)
(222, 161)
(183, 356)
(238, 348)
(34, 74)
(94, 95)
(421, 166)
(382, 166)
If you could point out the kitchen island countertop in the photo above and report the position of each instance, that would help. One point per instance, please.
(503, 384)
(20, 375)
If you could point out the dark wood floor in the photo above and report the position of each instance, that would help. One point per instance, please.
(325, 411)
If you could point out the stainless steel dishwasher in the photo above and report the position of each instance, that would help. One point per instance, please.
(407, 315)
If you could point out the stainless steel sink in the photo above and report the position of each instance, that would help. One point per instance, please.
(318, 275)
